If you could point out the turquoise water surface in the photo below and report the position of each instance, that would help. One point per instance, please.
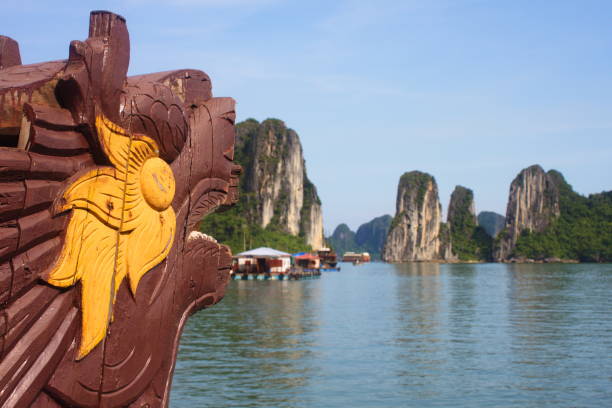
(410, 335)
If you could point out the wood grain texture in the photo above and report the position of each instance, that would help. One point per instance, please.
(6, 276)
(12, 199)
(44, 400)
(122, 226)
(97, 210)
(152, 108)
(21, 375)
(48, 117)
(9, 52)
(14, 164)
(61, 143)
(191, 86)
(22, 84)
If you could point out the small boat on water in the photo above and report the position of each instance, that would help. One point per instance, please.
(356, 258)
(329, 260)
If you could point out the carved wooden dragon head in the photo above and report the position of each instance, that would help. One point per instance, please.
(103, 181)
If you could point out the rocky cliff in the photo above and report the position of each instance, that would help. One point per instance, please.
(533, 204)
(343, 240)
(277, 190)
(492, 222)
(574, 228)
(546, 221)
(371, 236)
(415, 232)
(461, 206)
(470, 242)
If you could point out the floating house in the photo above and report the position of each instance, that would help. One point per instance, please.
(262, 261)
(307, 261)
(328, 259)
(356, 257)
(270, 264)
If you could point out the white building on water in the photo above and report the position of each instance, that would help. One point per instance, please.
(262, 260)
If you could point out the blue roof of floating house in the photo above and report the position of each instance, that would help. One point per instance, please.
(263, 252)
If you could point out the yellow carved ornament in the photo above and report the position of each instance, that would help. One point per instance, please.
(122, 225)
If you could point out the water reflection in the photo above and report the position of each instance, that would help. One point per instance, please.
(418, 298)
(258, 340)
(462, 310)
(552, 333)
(539, 298)
(418, 337)
(412, 335)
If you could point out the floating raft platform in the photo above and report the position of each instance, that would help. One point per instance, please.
(336, 269)
(293, 274)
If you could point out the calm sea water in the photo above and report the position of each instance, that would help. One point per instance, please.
(412, 335)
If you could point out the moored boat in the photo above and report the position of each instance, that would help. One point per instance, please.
(356, 258)
(329, 260)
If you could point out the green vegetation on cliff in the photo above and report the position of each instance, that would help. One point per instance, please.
(310, 197)
(470, 242)
(370, 237)
(416, 180)
(232, 228)
(238, 227)
(343, 240)
(409, 182)
(445, 237)
(583, 230)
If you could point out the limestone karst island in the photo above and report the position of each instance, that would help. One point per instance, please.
(305, 204)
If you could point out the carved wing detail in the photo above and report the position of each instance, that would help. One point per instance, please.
(122, 225)
(102, 178)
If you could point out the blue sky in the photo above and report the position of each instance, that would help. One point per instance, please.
(468, 91)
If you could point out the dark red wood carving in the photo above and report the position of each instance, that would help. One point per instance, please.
(48, 137)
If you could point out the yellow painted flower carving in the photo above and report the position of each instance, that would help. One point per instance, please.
(122, 225)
